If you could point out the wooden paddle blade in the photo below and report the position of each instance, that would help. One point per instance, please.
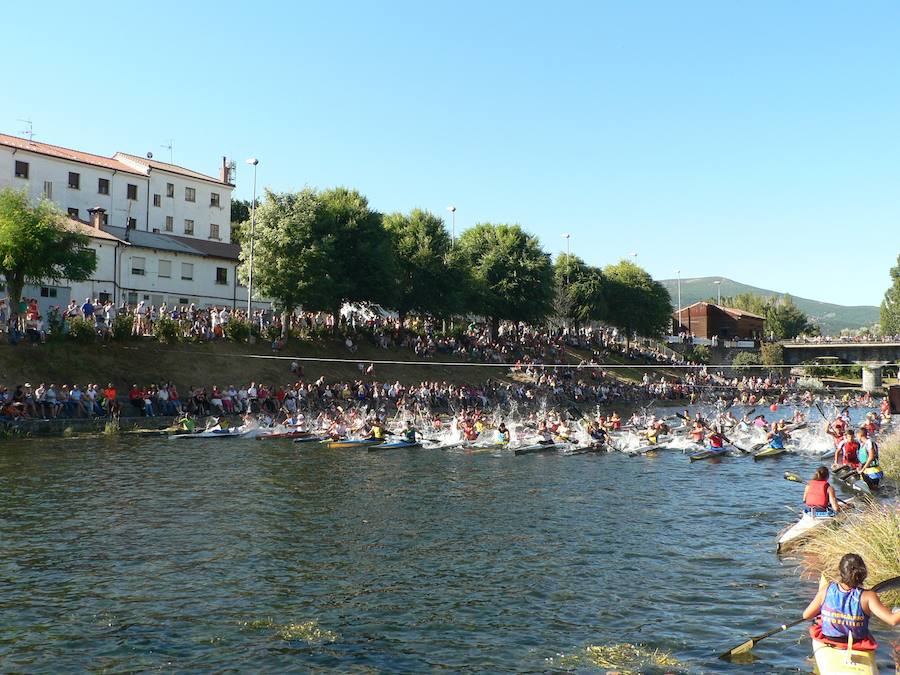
(792, 477)
(740, 649)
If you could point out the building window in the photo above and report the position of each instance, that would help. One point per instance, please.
(132, 223)
(190, 194)
(137, 266)
(165, 269)
(47, 292)
(48, 189)
(132, 191)
(21, 169)
(103, 186)
(106, 219)
(73, 212)
(157, 200)
(74, 181)
(189, 227)
(214, 199)
(170, 189)
(213, 231)
(170, 223)
(105, 297)
(187, 271)
(222, 275)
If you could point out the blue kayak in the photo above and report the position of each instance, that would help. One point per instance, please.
(395, 445)
(709, 454)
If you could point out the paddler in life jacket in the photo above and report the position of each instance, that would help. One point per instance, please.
(715, 439)
(652, 431)
(188, 423)
(776, 437)
(847, 453)
(836, 429)
(597, 433)
(868, 457)
(885, 409)
(503, 436)
(409, 433)
(845, 607)
(469, 431)
(615, 422)
(377, 430)
(698, 433)
(818, 495)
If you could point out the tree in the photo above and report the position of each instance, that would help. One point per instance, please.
(785, 321)
(890, 306)
(37, 245)
(511, 275)
(240, 219)
(289, 257)
(771, 354)
(637, 303)
(426, 282)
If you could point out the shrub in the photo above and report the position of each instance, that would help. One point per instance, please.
(699, 354)
(746, 360)
(889, 456)
(272, 332)
(237, 330)
(166, 330)
(82, 330)
(122, 327)
(772, 354)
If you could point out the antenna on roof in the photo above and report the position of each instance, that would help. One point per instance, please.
(29, 131)
(170, 147)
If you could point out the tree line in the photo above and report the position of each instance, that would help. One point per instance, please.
(319, 249)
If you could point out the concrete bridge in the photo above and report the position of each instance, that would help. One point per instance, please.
(872, 356)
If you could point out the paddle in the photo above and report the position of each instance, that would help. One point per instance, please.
(745, 647)
(794, 478)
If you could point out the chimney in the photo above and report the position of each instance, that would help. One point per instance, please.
(97, 214)
(223, 172)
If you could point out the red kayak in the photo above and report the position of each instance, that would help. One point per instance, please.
(282, 434)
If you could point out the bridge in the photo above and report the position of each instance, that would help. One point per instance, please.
(872, 356)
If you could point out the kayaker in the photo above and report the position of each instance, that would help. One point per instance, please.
(377, 430)
(844, 608)
(868, 457)
(409, 433)
(715, 439)
(818, 495)
(503, 435)
(698, 433)
(597, 433)
(847, 453)
(775, 438)
(188, 423)
(836, 429)
(615, 422)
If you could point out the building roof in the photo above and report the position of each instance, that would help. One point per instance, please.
(66, 153)
(78, 225)
(731, 311)
(169, 168)
(169, 242)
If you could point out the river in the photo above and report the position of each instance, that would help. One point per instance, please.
(124, 555)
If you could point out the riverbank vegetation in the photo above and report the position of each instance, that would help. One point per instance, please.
(873, 532)
(889, 457)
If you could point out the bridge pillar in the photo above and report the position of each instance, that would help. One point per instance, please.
(871, 378)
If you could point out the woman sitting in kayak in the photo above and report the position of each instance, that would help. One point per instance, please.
(776, 437)
(868, 457)
(818, 495)
(844, 608)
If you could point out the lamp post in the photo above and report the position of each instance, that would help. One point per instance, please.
(678, 274)
(718, 291)
(253, 162)
(568, 237)
(452, 210)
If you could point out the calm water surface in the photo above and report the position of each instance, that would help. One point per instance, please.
(127, 555)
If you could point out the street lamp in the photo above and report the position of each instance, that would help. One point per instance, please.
(567, 237)
(718, 291)
(253, 162)
(634, 257)
(452, 210)
(678, 274)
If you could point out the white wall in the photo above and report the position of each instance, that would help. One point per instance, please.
(43, 168)
(200, 211)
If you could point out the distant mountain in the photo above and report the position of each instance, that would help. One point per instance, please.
(830, 317)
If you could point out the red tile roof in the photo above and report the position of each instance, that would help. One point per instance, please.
(66, 153)
(170, 168)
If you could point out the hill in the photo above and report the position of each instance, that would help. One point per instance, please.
(830, 317)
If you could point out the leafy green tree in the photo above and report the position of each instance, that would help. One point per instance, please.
(426, 281)
(289, 258)
(512, 277)
(636, 303)
(785, 321)
(890, 306)
(746, 360)
(240, 219)
(37, 245)
(771, 354)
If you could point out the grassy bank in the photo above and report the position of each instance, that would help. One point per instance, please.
(889, 456)
(145, 361)
(873, 532)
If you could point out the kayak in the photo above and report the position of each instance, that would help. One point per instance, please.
(395, 445)
(709, 454)
(851, 480)
(310, 439)
(769, 451)
(352, 443)
(214, 433)
(275, 435)
(538, 447)
(794, 534)
(835, 661)
(472, 448)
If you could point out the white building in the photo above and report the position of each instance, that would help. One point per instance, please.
(161, 232)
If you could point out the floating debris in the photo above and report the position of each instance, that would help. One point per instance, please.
(307, 631)
(622, 659)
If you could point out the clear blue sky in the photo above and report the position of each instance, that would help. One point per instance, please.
(757, 141)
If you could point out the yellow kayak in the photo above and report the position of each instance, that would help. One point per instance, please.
(833, 661)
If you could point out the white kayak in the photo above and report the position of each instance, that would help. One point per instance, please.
(835, 661)
(796, 533)
(210, 433)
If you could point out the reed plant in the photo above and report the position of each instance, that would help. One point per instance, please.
(873, 532)
(889, 456)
